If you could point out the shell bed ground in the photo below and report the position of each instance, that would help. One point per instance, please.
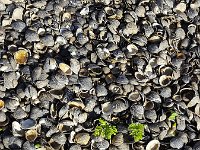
(99, 74)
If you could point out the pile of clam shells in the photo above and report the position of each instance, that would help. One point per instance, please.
(66, 63)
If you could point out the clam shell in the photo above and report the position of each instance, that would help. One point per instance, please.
(118, 139)
(107, 108)
(165, 80)
(65, 68)
(75, 147)
(119, 105)
(134, 96)
(115, 89)
(76, 103)
(154, 97)
(101, 90)
(16, 129)
(31, 135)
(21, 56)
(137, 111)
(82, 138)
(176, 142)
(153, 145)
(150, 114)
(148, 105)
(104, 144)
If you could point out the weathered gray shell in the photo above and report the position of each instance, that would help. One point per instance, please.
(154, 97)
(119, 105)
(137, 111)
(176, 142)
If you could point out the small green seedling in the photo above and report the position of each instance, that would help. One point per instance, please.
(37, 145)
(136, 131)
(173, 116)
(105, 130)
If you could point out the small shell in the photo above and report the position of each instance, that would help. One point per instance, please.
(86, 83)
(137, 111)
(150, 114)
(153, 145)
(94, 69)
(21, 56)
(119, 105)
(104, 144)
(28, 123)
(134, 96)
(118, 139)
(16, 129)
(187, 94)
(1, 104)
(165, 80)
(31, 135)
(82, 138)
(101, 91)
(132, 49)
(107, 108)
(176, 142)
(166, 92)
(148, 105)
(65, 68)
(154, 97)
(115, 89)
(76, 103)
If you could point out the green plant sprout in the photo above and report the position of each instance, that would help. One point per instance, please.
(136, 131)
(105, 130)
(173, 116)
(38, 145)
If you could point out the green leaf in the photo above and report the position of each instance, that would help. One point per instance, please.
(136, 131)
(173, 116)
(38, 145)
(105, 130)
